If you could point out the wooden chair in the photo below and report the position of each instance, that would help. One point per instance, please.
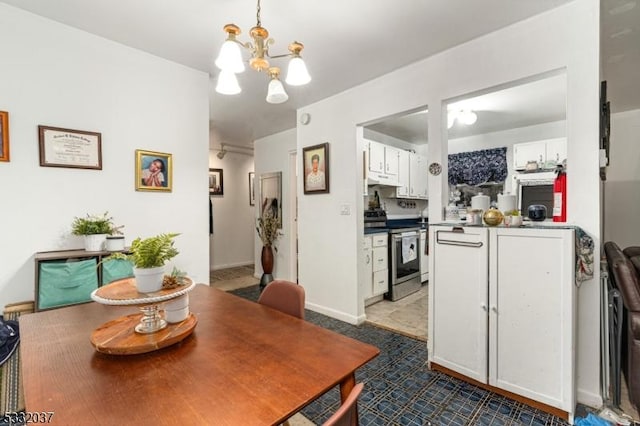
(347, 414)
(284, 296)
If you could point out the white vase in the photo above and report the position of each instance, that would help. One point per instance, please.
(94, 242)
(148, 280)
(177, 310)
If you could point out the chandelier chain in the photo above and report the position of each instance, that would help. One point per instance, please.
(258, 14)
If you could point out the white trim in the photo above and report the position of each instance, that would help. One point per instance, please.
(336, 314)
(589, 398)
(232, 265)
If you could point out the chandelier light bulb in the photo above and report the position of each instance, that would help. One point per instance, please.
(230, 57)
(227, 83)
(297, 74)
(275, 91)
(468, 117)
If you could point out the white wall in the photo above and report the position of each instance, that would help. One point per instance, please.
(508, 138)
(272, 154)
(232, 242)
(622, 187)
(59, 76)
(566, 37)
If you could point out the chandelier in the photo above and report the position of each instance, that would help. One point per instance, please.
(230, 62)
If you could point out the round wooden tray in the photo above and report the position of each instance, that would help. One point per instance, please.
(118, 337)
(124, 292)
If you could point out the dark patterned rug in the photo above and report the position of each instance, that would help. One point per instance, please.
(400, 390)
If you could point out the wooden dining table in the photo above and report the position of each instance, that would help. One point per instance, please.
(244, 364)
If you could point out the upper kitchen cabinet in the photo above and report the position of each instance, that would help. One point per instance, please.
(383, 164)
(393, 149)
(547, 153)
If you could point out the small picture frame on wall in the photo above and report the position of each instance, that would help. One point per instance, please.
(315, 163)
(4, 136)
(252, 189)
(154, 171)
(216, 184)
(70, 148)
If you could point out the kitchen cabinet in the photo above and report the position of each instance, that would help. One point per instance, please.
(412, 176)
(502, 309)
(417, 176)
(376, 272)
(424, 256)
(383, 164)
(546, 152)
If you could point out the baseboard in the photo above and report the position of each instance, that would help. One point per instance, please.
(231, 265)
(589, 399)
(336, 314)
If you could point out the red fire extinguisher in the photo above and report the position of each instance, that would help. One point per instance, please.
(560, 196)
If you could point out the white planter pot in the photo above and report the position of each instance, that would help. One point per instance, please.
(94, 242)
(148, 280)
(115, 243)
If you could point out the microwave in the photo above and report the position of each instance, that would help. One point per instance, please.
(534, 188)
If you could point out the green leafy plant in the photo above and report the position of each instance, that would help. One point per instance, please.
(151, 252)
(267, 229)
(93, 224)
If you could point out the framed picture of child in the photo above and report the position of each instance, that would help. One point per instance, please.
(315, 163)
(154, 171)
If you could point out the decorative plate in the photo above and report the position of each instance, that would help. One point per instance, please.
(435, 169)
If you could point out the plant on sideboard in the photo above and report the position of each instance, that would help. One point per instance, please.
(94, 229)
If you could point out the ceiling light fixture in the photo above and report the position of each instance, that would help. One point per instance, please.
(230, 62)
(463, 116)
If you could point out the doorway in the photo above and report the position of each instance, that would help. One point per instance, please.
(293, 215)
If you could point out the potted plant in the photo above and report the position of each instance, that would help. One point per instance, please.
(94, 228)
(268, 231)
(149, 257)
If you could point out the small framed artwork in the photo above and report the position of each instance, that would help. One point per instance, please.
(216, 185)
(315, 163)
(70, 148)
(154, 171)
(252, 189)
(4, 136)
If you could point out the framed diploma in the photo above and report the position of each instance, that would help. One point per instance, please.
(70, 148)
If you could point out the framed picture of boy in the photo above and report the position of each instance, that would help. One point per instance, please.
(154, 171)
(315, 163)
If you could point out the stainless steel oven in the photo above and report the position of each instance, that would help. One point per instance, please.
(404, 259)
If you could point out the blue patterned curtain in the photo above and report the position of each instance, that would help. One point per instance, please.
(476, 167)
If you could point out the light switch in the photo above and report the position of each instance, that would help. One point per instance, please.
(345, 210)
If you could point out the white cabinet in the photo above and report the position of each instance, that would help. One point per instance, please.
(525, 152)
(376, 273)
(546, 152)
(367, 273)
(556, 151)
(383, 164)
(412, 176)
(501, 299)
(402, 191)
(424, 257)
(417, 176)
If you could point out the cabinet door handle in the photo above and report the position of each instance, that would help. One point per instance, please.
(368, 259)
(494, 309)
(484, 307)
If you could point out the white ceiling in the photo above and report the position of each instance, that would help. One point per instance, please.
(523, 104)
(346, 42)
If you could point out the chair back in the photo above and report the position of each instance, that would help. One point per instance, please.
(344, 416)
(284, 296)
